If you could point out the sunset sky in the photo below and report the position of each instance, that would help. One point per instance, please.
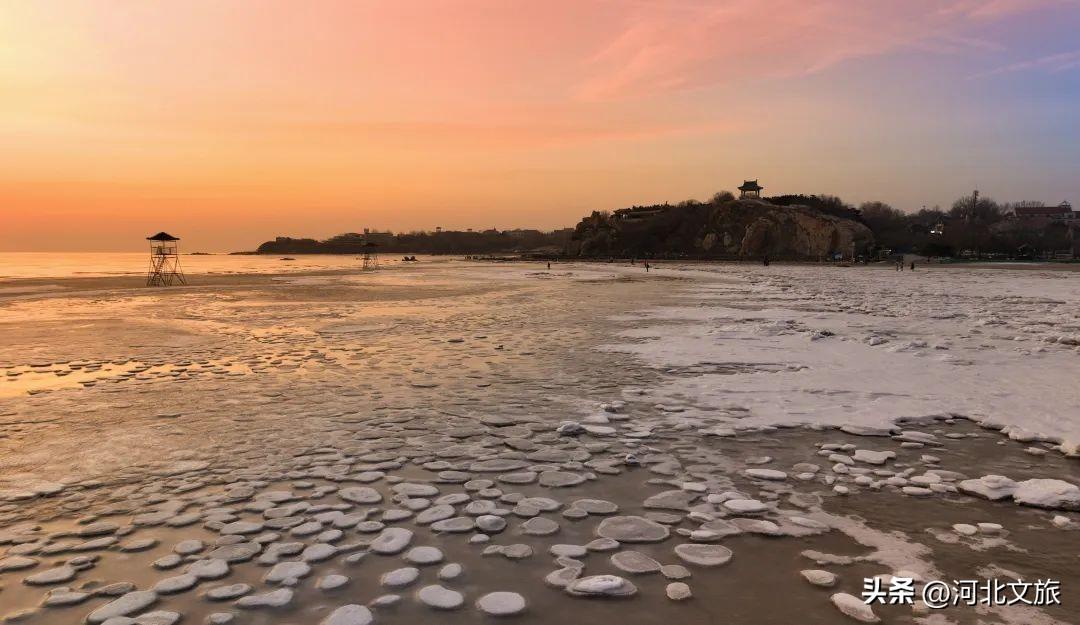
(228, 122)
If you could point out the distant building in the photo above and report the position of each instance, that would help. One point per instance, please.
(638, 213)
(750, 189)
(1063, 211)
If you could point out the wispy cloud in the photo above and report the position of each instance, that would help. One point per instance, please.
(663, 48)
(993, 9)
(1050, 64)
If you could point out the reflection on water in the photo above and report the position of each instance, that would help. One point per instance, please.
(17, 265)
(36, 378)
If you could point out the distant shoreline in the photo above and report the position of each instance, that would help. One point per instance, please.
(34, 287)
(541, 257)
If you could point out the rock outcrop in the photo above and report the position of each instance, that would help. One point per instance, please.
(736, 228)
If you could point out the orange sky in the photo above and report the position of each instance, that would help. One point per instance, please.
(228, 122)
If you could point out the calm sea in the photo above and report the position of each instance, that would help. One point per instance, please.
(16, 265)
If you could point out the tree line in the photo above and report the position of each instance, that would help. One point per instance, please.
(421, 242)
(972, 227)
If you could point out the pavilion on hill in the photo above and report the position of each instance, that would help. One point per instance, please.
(750, 189)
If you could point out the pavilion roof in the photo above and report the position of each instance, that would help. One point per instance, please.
(750, 185)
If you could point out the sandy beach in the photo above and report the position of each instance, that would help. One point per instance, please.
(452, 442)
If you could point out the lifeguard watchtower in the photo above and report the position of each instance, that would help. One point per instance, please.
(750, 190)
(164, 261)
(370, 257)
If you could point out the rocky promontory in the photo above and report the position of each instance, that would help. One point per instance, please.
(725, 228)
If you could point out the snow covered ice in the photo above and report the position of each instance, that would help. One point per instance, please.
(1000, 347)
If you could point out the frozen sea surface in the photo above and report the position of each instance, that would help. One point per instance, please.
(450, 441)
(810, 345)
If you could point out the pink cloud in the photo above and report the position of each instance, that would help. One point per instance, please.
(671, 47)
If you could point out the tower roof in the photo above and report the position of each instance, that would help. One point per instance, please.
(163, 236)
(750, 185)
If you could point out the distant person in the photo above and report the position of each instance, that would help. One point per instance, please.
(913, 265)
(765, 260)
(549, 265)
(646, 266)
(900, 265)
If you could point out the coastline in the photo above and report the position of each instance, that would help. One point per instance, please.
(223, 277)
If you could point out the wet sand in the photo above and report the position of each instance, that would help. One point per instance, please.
(117, 402)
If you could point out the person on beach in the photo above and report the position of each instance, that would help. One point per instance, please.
(900, 264)
(913, 265)
(646, 266)
(765, 260)
(549, 265)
